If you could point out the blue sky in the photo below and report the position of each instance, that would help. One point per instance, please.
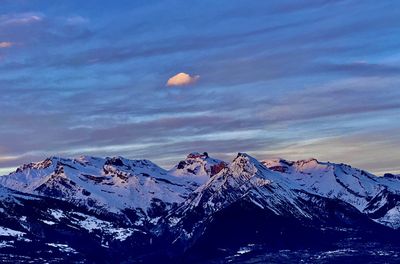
(291, 79)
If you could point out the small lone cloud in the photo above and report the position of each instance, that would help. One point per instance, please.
(182, 79)
(76, 20)
(5, 44)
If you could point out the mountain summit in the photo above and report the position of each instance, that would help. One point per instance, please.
(198, 167)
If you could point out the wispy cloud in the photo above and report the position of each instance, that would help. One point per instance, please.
(76, 20)
(6, 44)
(360, 69)
(20, 19)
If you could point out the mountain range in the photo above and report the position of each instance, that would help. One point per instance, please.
(203, 210)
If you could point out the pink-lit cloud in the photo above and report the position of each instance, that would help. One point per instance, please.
(20, 19)
(5, 44)
(182, 79)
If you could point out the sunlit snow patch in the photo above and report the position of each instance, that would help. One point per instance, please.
(4, 231)
(91, 224)
(63, 248)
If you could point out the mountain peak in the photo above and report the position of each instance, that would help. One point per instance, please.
(279, 164)
(244, 164)
(242, 154)
(44, 164)
(310, 161)
(197, 155)
(244, 157)
(116, 161)
(198, 167)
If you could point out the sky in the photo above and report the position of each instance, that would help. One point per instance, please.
(160, 79)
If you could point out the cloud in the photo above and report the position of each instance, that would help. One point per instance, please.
(182, 79)
(76, 20)
(361, 69)
(5, 44)
(20, 19)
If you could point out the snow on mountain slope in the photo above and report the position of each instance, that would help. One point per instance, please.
(247, 186)
(110, 183)
(32, 224)
(365, 191)
(329, 180)
(115, 184)
(94, 208)
(244, 178)
(198, 167)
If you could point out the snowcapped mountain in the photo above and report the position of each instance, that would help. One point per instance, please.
(198, 167)
(368, 193)
(248, 186)
(329, 180)
(244, 176)
(135, 211)
(111, 184)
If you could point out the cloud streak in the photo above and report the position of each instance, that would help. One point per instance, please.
(6, 44)
(20, 19)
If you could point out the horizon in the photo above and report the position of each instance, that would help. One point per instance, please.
(158, 80)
